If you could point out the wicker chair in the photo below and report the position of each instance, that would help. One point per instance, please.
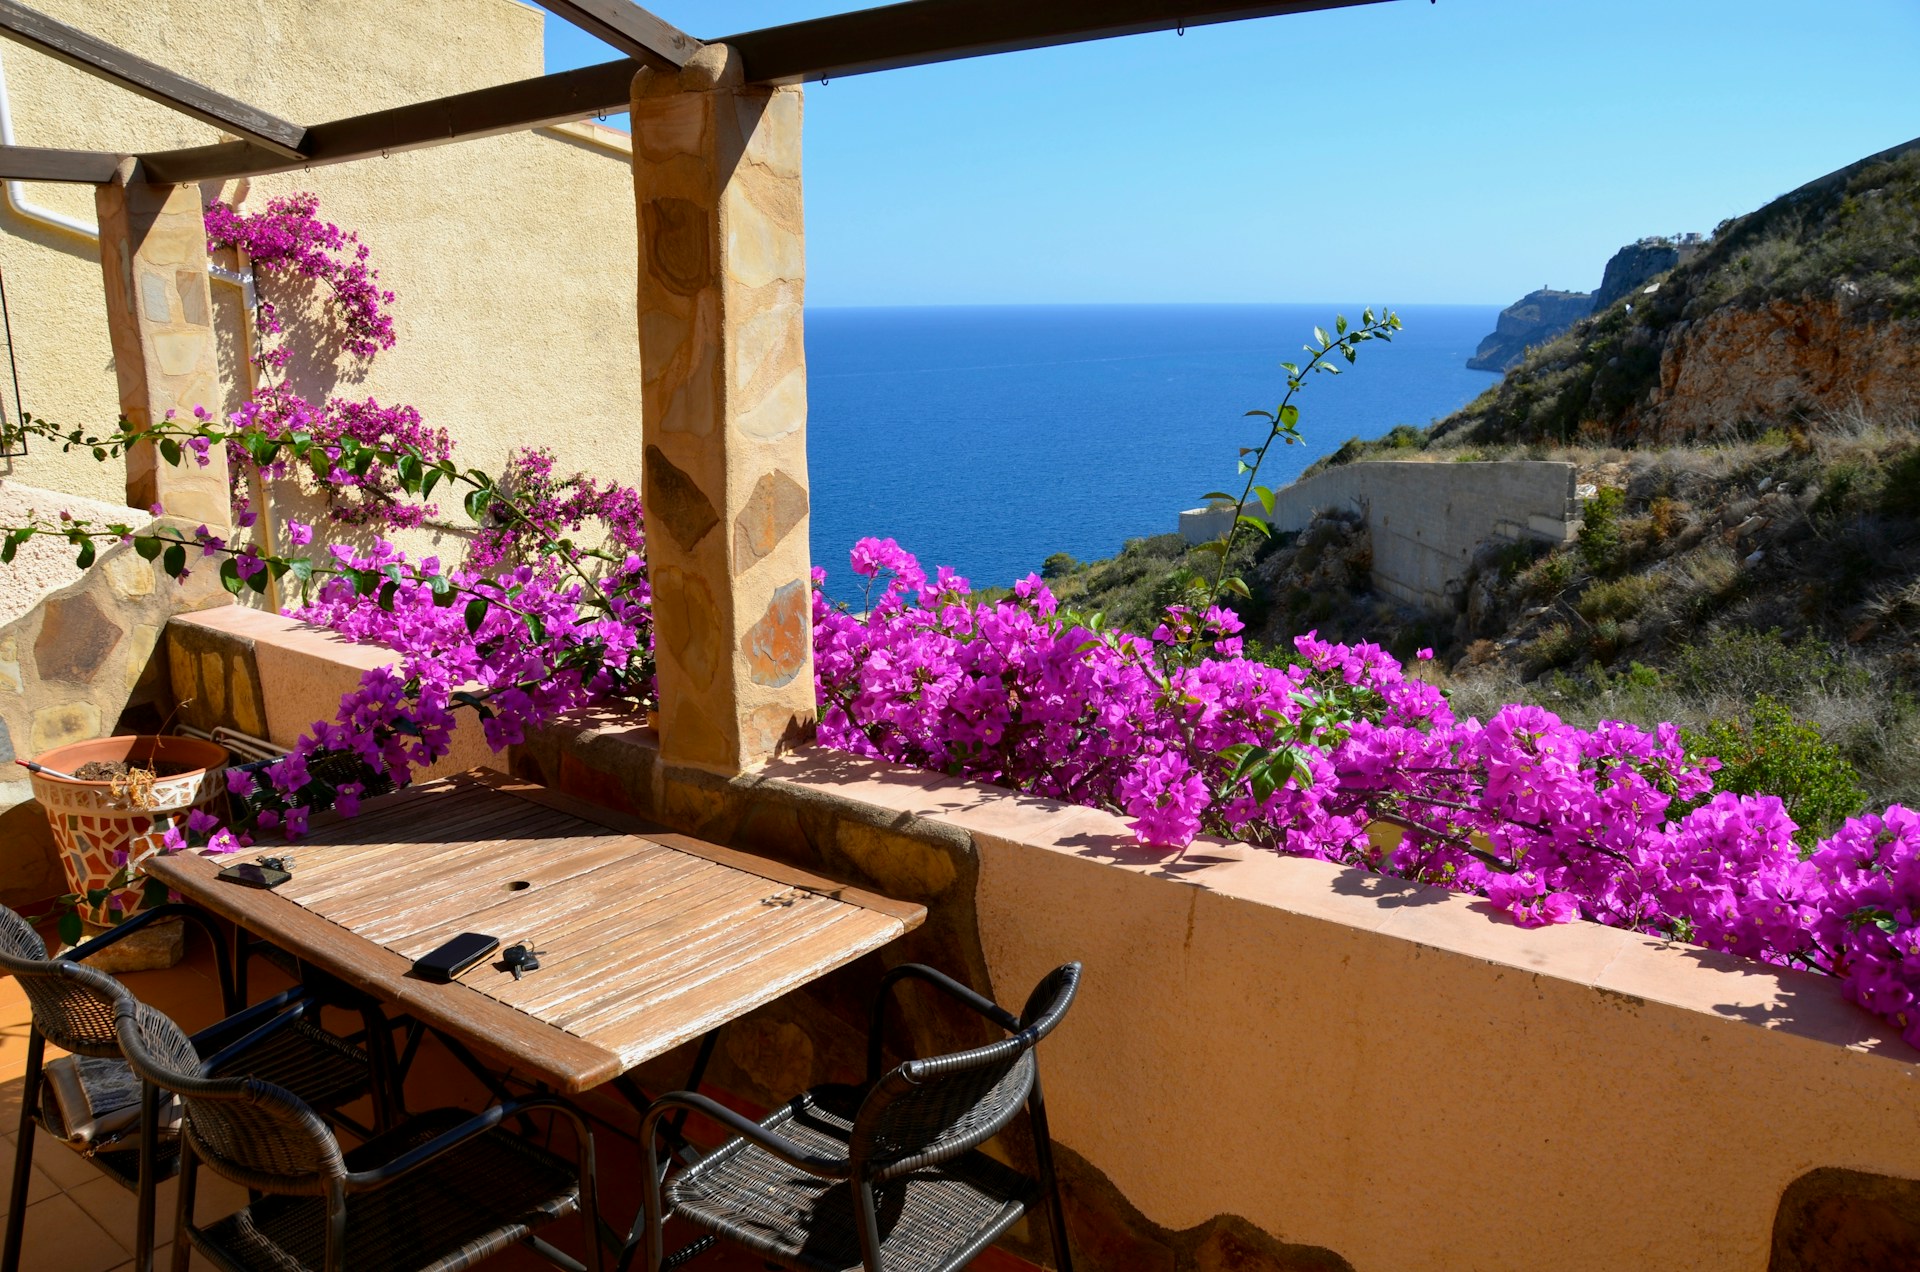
(437, 1193)
(73, 1009)
(884, 1177)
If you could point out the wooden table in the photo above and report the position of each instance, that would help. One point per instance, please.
(648, 939)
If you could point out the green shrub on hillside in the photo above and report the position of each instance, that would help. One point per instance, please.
(1747, 664)
(1601, 542)
(1901, 495)
(1770, 752)
(1618, 598)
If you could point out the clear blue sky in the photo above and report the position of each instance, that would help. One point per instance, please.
(1399, 153)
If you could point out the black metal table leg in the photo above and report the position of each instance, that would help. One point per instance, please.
(637, 1096)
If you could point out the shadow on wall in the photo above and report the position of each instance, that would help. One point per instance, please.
(1109, 1233)
(1834, 1220)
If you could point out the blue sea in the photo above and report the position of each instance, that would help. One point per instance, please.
(988, 438)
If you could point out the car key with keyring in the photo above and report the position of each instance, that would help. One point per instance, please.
(522, 958)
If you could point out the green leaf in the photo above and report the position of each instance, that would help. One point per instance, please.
(1320, 335)
(1253, 522)
(230, 576)
(1265, 495)
(1220, 494)
(170, 450)
(477, 502)
(1289, 415)
(1340, 323)
(175, 560)
(1238, 586)
(1213, 547)
(84, 557)
(7, 550)
(300, 567)
(477, 613)
(259, 579)
(388, 591)
(1290, 368)
(536, 629)
(70, 929)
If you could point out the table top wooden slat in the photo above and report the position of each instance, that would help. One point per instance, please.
(648, 938)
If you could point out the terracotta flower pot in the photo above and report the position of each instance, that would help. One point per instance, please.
(98, 832)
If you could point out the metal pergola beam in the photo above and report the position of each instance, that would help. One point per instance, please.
(910, 34)
(920, 32)
(156, 83)
(32, 163)
(627, 27)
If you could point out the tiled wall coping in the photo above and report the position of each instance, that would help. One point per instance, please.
(1723, 986)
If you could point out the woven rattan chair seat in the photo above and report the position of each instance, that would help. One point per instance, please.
(932, 1219)
(475, 1201)
(321, 1069)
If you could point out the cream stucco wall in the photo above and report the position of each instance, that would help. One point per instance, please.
(513, 257)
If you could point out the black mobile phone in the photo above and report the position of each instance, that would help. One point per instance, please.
(455, 957)
(254, 876)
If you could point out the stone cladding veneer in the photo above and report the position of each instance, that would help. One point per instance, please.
(716, 170)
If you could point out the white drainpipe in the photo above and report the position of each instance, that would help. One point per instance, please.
(16, 196)
(17, 190)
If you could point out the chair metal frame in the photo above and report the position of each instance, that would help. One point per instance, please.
(868, 1162)
(272, 1112)
(76, 984)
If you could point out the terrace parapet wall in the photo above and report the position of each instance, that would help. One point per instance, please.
(1282, 1064)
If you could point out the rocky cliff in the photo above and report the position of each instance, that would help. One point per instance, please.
(1535, 318)
(1633, 267)
(1803, 310)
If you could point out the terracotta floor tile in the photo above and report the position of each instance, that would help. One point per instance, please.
(61, 1164)
(112, 1207)
(60, 1237)
(39, 1187)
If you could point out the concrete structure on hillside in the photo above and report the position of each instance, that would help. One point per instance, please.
(1427, 519)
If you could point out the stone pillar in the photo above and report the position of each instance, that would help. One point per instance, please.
(716, 169)
(153, 251)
